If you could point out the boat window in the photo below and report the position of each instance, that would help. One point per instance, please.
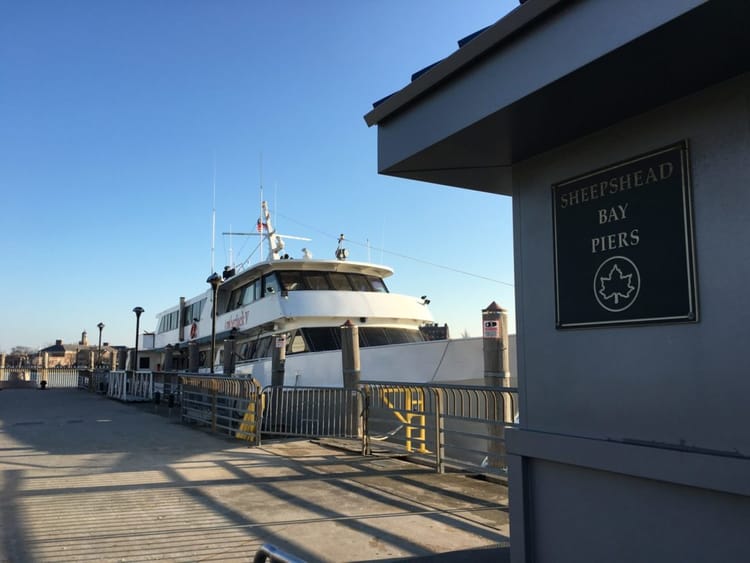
(290, 281)
(359, 282)
(235, 298)
(379, 336)
(316, 280)
(372, 336)
(270, 285)
(403, 336)
(169, 321)
(242, 353)
(192, 312)
(339, 281)
(377, 284)
(297, 344)
(262, 350)
(320, 339)
(248, 293)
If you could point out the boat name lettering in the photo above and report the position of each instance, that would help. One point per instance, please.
(237, 321)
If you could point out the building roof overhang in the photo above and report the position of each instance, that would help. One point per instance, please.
(549, 72)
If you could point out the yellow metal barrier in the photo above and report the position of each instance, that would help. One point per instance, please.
(249, 430)
(411, 415)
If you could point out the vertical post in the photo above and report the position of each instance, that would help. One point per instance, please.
(215, 281)
(229, 360)
(496, 374)
(100, 326)
(138, 311)
(168, 358)
(439, 431)
(278, 361)
(350, 355)
(45, 367)
(213, 410)
(495, 344)
(275, 408)
(193, 357)
(351, 375)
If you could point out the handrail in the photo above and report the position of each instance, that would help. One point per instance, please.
(268, 553)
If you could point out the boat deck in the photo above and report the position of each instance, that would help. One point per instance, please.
(84, 478)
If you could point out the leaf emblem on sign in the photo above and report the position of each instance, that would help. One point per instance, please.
(616, 285)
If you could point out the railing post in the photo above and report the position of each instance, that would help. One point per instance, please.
(213, 410)
(439, 431)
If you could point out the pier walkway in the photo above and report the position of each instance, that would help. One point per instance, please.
(84, 478)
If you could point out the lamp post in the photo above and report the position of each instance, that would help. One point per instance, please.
(215, 281)
(100, 326)
(137, 311)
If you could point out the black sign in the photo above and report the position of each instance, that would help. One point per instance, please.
(624, 243)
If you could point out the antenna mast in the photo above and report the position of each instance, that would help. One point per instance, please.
(260, 182)
(213, 220)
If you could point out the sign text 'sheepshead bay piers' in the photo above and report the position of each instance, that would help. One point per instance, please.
(623, 240)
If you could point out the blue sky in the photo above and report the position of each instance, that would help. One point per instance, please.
(112, 115)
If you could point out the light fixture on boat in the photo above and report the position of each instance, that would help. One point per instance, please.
(423, 300)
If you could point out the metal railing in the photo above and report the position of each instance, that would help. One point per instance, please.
(130, 386)
(226, 405)
(457, 425)
(316, 412)
(61, 378)
(460, 426)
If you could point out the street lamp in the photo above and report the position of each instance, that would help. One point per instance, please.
(215, 281)
(100, 326)
(137, 311)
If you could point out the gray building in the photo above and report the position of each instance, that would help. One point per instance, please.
(622, 132)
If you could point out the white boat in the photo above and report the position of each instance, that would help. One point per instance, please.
(306, 301)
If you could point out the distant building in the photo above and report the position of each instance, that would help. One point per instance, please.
(81, 354)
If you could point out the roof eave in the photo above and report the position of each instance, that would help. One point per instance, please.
(514, 21)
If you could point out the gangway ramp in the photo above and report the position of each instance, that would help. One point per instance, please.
(84, 478)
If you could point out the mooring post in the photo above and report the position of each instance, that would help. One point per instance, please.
(278, 361)
(229, 356)
(351, 375)
(193, 357)
(496, 374)
(168, 358)
(278, 366)
(350, 354)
